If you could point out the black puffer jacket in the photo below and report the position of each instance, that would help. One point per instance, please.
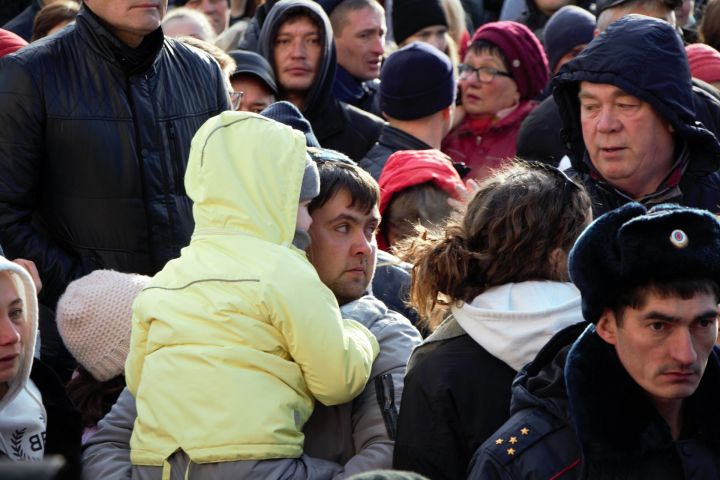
(645, 58)
(336, 124)
(614, 431)
(93, 147)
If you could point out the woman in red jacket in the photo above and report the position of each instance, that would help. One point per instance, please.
(504, 69)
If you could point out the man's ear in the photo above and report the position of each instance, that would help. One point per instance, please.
(607, 326)
(447, 112)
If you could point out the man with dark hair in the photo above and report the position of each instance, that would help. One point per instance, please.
(359, 30)
(95, 132)
(296, 38)
(635, 394)
(359, 435)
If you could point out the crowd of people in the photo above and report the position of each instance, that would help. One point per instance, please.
(419, 239)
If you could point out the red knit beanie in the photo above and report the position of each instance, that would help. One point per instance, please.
(523, 51)
(704, 62)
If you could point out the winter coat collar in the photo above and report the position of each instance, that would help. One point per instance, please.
(131, 60)
(613, 417)
(468, 126)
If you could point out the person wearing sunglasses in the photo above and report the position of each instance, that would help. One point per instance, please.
(504, 69)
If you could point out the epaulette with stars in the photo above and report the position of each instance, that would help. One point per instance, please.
(518, 435)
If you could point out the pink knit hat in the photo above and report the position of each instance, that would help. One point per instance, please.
(94, 317)
(524, 52)
(704, 62)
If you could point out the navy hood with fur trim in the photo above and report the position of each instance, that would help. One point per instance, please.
(644, 57)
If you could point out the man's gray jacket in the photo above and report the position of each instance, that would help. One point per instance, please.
(360, 435)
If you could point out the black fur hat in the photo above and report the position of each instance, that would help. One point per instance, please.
(631, 246)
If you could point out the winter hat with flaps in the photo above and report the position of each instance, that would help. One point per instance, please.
(525, 55)
(94, 317)
(632, 246)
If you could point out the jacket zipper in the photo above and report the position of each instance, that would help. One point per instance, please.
(177, 177)
(385, 392)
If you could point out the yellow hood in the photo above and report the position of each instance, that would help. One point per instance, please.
(244, 174)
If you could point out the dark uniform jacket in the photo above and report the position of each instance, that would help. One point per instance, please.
(94, 141)
(662, 80)
(578, 414)
(336, 124)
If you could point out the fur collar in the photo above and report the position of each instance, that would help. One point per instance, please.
(613, 417)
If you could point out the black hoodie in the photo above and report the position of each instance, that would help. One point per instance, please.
(337, 125)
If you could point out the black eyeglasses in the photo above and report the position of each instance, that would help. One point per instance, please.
(483, 74)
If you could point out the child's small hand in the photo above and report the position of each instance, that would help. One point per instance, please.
(29, 265)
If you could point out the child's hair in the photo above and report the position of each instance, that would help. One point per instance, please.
(425, 204)
(516, 219)
(93, 399)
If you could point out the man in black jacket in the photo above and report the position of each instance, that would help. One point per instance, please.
(419, 111)
(296, 38)
(628, 108)
(633, 395)
(95, 132)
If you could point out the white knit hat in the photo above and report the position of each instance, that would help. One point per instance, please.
(94, 317)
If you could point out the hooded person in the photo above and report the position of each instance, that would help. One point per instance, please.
(244, 315)
(669, 156)
(336, 124)
(36, 416)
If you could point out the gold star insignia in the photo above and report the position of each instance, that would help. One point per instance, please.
(511, 451)
(499, 441)
(524, 431)
(513, 440)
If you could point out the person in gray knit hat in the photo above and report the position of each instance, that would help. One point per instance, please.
(635, 393)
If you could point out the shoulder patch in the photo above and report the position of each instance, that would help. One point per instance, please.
(519, 434)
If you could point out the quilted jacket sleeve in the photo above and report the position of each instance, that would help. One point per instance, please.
(22, 122)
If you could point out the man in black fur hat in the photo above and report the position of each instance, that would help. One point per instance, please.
(634, 394)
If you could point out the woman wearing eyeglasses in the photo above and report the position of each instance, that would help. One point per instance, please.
(501, 274)
(504, 69)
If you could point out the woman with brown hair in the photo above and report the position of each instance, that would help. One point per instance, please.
(501, 270)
